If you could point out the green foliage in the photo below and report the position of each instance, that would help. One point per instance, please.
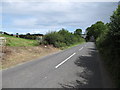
(61, 38)
(113, 45)
(78, 32)
(52, 38)
(96, 30)
(108, 42)
(59, 44)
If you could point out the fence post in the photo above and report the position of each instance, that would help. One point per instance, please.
(2, 45)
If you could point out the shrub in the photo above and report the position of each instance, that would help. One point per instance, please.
(61, 38)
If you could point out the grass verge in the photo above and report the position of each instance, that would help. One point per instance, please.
(73, 45)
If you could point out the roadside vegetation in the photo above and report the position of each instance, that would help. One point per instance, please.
(19, 50)
(63, 38)
(107, 39)
(22, 48)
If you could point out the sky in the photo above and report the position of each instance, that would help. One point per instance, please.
(42, 16)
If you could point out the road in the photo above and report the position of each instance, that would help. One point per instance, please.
(76, 67)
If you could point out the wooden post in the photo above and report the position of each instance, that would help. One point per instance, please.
(2, 45)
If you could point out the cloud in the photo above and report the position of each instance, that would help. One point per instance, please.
(25, 22)
(10, 1)
(25, 16)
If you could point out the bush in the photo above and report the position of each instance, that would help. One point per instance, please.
(61, 38)
(59, 44)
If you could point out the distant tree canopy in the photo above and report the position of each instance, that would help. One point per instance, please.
(78, 32)
(30, 36)
(96, 30)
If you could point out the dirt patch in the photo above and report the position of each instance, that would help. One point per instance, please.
(16, 55)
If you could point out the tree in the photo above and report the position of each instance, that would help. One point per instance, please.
(96, 30)
(115, 25)
(28, 34)
(78, 32)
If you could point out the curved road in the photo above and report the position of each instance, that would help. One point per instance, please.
(77, 67)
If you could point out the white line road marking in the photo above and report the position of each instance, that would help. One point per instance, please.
(86, 55)
(80, 48)
(85, 45)
(45, 77)
(65, 60)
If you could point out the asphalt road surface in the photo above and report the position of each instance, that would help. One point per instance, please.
(77, 67)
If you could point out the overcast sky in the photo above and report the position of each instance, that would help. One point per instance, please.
(38, 16)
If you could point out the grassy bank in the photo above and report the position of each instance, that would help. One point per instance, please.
(15, 41)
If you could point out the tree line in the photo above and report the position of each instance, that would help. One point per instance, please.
(107, 39)
(25, 36)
